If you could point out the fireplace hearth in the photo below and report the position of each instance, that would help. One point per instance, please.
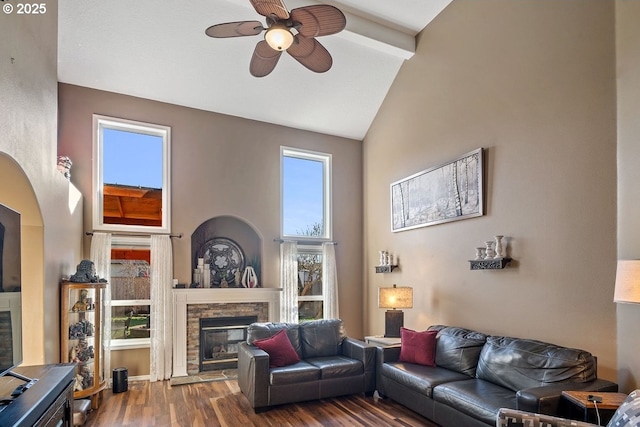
(219, 339)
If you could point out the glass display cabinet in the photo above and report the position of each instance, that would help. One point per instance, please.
(82, 322)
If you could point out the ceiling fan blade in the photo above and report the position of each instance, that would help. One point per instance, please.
(271, 7)
(264, 59)
(235, 29)
(311, 54)
(318, 20)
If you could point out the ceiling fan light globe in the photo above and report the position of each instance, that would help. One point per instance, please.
(278, 37)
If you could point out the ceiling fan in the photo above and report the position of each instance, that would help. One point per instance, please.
(307, 23)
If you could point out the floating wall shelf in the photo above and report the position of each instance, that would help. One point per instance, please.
(385, 268)
(489, 264)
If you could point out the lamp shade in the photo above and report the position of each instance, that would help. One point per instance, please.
(395, 297)
(627, 282)
(279, 37)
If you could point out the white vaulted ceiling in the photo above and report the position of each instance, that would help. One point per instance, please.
(157, 49)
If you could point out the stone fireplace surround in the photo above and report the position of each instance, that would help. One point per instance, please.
(221, 302)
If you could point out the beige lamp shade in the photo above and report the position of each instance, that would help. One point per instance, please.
(395, 297)
(627, 282)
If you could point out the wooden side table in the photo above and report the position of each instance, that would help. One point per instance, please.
(381, 340)
(610, 403)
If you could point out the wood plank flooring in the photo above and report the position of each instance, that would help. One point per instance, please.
(222, 404)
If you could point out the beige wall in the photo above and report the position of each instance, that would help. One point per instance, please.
(135, 360)
(534, 84)
(30, 183)
(223, 165)
(20, 197)
(628, 66)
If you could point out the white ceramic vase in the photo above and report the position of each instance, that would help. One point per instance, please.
(499, 249)
(491, 253)
(249, 278)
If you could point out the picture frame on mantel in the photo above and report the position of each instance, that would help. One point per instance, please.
(449, 192)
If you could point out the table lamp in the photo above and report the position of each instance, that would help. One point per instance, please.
(627, 282)
(394, 298)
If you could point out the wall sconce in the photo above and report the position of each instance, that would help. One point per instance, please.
(627, 282)
(394, 298)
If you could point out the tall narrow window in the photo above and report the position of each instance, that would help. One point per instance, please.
(131, 176)
(310, 296)
(130, 292)
(306, 217)
(306, 194)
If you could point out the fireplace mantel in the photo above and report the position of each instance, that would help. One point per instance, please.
(184, 297)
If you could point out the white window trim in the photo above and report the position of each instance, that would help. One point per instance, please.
(311, 298)
(316, 250)
(101, 122)
(326, 160)
(130, 343)
(126, 302)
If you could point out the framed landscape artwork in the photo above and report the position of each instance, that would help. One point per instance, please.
(448, 192)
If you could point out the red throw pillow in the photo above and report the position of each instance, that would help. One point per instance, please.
(281, 352)
(418, 347)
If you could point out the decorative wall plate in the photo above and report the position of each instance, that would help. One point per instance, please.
(225, 258)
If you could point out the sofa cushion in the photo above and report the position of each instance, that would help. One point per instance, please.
(458, 349)
(419, 378)
(279, 348)
(418, 347)
(256, 331)
(294, 374)
(477, 398)
(336, 366)
(321, 338)
(518, 363)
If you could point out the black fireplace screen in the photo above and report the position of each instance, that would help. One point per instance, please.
(219, 340)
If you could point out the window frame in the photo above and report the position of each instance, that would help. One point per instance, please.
(312, 250)
(101, 122)
(130, 343)
(326, 160)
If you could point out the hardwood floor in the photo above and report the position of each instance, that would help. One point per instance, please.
(221, 403)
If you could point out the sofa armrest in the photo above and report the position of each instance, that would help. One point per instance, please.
(253, 374)
(384, 355)
(360, 350)
(546, 399)
(512, 417)
(365, 353)
(388, 354)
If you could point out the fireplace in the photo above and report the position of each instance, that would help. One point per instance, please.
(219, 340)
(191, 305)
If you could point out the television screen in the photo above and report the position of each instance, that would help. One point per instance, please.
(10, 296)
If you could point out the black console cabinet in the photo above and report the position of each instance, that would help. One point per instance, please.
(48, 403)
